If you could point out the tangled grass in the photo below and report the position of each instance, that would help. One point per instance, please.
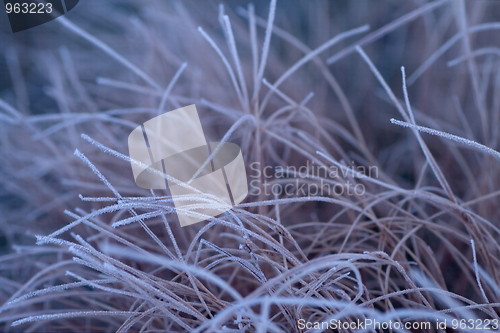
(419, 243)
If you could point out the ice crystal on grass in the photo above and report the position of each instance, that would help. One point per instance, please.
(418, 243)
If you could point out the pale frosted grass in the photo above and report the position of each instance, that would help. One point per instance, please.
(265, 51)
(309, 56)
(324, 72)
(472, 69)
(251, 268)
(236, 59)
(73, 314)
(168, 90)
(125, 252)
(387, 29)
(144, 166)
(449, 136)
(225, 138)
(475, 53)
(430, 159)
(229, 69)
(446, 46)
(104, 47)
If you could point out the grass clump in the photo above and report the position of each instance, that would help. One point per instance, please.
(312, 94)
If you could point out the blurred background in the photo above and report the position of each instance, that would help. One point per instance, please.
(50, 69)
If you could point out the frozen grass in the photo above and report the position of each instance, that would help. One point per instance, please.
(420, 244)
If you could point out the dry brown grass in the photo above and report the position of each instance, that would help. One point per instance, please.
(292, 84)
